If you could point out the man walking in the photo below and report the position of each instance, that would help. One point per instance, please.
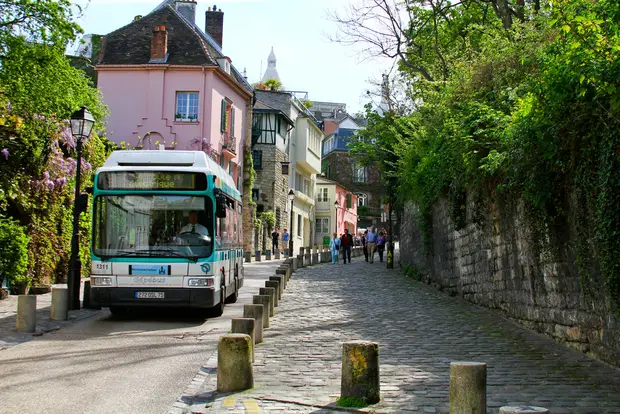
(346, 242)
(285, 241)
(371, 243)
(274, 241)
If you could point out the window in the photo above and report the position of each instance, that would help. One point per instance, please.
(231, 168)
(362, 200)
(299, 225)
(298, 182)
(227, 117)
(187, 107)
(285, 166)
(306, 190)
(322, 225)
(257, 158)
(323, 195)
(348, 200)
(278, 217)
(359, 174)
(255, 194)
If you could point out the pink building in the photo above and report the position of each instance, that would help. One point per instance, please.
(167, 82)
(336, 210)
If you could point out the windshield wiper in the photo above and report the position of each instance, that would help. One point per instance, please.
(176, 253)
(148, 252)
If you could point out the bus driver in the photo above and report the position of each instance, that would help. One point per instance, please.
(193, 226)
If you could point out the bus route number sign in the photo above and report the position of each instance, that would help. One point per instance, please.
(152, 180)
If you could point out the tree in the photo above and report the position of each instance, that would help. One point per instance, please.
(269, 85)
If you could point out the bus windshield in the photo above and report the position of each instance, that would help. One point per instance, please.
(149, 225)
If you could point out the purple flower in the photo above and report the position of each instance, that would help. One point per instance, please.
(49, 184)
(46, 175)
(6, 153)
(67, 137)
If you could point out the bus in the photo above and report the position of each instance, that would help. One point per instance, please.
(166, 232)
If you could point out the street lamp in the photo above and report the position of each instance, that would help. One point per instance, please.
(291, 196)
(336, 204)
(82, 123)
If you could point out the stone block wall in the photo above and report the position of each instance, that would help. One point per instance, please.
(494, 262)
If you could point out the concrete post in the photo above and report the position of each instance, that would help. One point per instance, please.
(360, 371)
(268, 255)
(522, 410)
(234, 363)
(257, 256)
(468, 382)
(276, 285)
(315, 257)
(26, 313)
(273, 298)
(60, 303)
(255, 312)
(277, 256)
(295, 264)
(245, 326)
(265, 301)
(308, 258)
(300, 261)
(301, 251)
(248, 257)
(281, 281)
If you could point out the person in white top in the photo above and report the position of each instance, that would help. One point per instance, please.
(194, 226)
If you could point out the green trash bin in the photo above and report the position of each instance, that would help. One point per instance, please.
(326, 241)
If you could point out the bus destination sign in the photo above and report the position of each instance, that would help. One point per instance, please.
(152, 180)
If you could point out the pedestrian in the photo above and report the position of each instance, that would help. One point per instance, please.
(346, 242)
(371, 243)
(285, 241)
(334, 245)
(381, 245)
(364, 248)
(275, 236)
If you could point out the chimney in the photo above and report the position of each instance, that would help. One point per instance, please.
(214, 24)
(187, 9)
(159, 44)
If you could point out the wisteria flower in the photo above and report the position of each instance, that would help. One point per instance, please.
(6, 153)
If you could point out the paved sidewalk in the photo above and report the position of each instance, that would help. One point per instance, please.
(420, 331)
(9, 336)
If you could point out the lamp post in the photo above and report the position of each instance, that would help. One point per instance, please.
(390, 244)
(81, 125)
(336, 204)
(291, 196)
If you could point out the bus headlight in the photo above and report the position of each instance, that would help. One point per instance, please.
(200, 282)
(101, 281)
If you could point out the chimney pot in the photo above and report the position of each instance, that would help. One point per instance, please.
(214, 25)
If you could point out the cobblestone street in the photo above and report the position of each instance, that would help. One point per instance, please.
(420, 331)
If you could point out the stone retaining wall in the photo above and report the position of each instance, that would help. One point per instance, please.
(494, 263)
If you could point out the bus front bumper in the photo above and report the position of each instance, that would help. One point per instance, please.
(168, 297)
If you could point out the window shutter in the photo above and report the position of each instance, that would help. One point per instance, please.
(223, 116)
(232, 122)
(348, 200)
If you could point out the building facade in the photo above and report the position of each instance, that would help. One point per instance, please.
(364, 181)
(336, 210)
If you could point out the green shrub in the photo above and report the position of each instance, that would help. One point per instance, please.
(13, 254)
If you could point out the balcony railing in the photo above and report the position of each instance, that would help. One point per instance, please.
(229, 143)
(323, 205)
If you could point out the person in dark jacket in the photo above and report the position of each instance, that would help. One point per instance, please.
(346, 242)
(364, 244)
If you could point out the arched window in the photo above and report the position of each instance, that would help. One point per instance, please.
(362, 199)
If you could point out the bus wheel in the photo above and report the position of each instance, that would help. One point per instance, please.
(233, 298)
(218, 309)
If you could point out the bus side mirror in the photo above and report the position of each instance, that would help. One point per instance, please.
(220, 206)
(89, 190)
(82, 203)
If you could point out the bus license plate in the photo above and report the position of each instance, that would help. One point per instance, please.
(149, 295)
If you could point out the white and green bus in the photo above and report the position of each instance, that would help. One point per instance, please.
(166, 232)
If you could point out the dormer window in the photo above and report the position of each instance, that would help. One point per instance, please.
(224, 63)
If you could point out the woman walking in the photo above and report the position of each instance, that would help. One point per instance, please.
(381, 245)
(334, 246)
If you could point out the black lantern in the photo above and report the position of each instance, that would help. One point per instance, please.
(291, 197)
(82, 123)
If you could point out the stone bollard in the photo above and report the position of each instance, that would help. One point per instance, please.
(234, 363)
(360, 371)
(26, 313)
(281, 283)
(468, 382)
(248, 257)
(245, 326)
(255, 312)
(283, 273)
(277, 256)
(300, 261)
(308, 258)
(523, 409)
(265, 301)
(295, 264)
(301, 250)
(315, 258)
(257, 256)
(59, 310)
(276, 285)
(273, 296)
(268, 255)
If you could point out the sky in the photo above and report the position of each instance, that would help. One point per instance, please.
(298, 31)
